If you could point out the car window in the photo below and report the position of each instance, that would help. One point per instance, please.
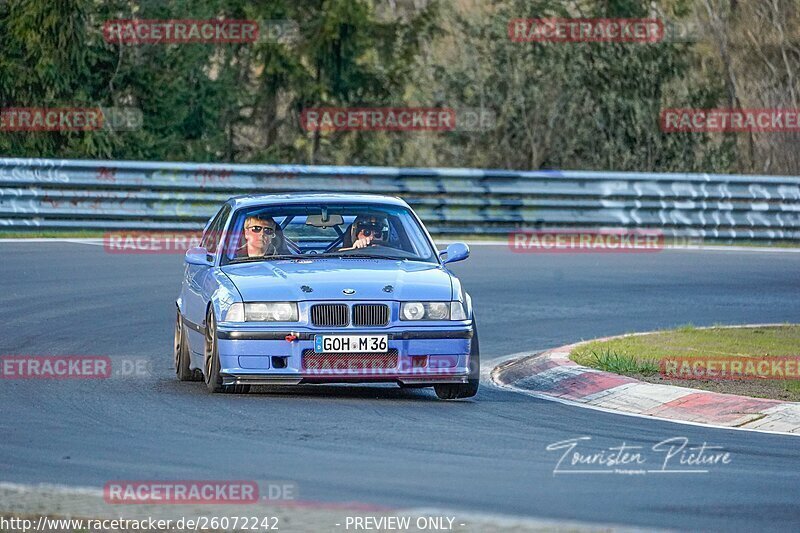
(214, 231)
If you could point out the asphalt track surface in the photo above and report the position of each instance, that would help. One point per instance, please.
(379, 444)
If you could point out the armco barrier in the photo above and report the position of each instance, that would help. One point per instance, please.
(49, 194)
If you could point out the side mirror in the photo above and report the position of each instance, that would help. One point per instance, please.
(457, 251)
(198, 256)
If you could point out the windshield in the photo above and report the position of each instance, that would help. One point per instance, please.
(326, 230)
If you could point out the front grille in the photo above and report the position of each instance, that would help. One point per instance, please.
(343, 362)
(370, 315)
(329, 315)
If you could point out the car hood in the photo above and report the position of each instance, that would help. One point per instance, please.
(283, 280)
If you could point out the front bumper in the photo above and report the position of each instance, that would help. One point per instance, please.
(260, 356)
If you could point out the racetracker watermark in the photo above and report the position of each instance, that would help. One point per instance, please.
(683, 31)
(588, 30)
(282, 31)
(74, 367)
(138, 31)
(378, 119)
(377, 364)
(55, 367)
(151, 242)
(595, 241)
(730, 120)
(70, 119)
(138, 492)
(125, 525)
(674, 455)
(730, 368)
(475, 119)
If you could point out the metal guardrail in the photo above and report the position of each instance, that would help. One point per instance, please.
(48, 194)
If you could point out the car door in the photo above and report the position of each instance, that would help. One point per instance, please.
(196, 283)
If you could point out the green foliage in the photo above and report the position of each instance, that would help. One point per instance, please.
(201, 102)
(566, 106)
(574, 105)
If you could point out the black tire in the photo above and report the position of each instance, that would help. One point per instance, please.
(181, 351)
(211, 365)
(455, 391)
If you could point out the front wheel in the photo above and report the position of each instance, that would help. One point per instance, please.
(181, 351)
(211, 364)
(454, 391)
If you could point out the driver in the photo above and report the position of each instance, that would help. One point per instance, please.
(262, 237)
(368, 230)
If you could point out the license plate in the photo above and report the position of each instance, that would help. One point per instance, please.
(350, 344)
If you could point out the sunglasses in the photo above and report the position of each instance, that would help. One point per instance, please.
(266, 229)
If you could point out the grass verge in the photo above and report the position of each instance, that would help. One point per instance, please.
(641, 356)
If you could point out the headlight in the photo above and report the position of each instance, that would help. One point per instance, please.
(412, 311)
(425, 311)
(262, 312)
(271, 312)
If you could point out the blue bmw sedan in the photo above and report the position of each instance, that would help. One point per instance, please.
(288, 289)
